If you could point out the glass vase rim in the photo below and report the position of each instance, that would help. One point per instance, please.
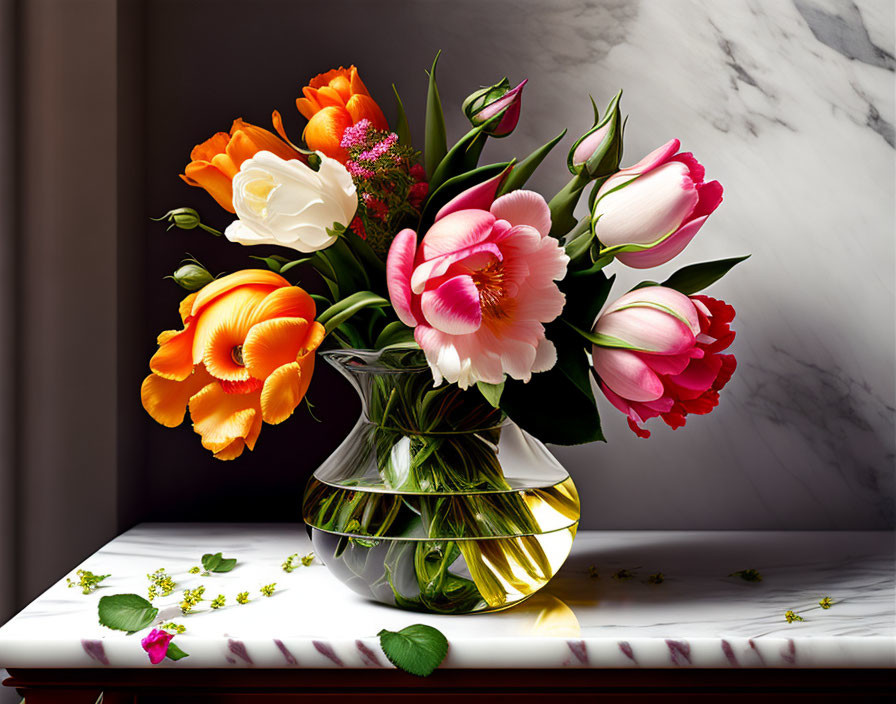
(372, 359)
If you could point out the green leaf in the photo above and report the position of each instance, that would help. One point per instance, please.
(402, 129)
(491, 392)
(289, 265)
(697, 277)
(462, 157)
(174, 652)
(272, 263)
(342, 310)
(417, 649)
(435, 143)
(350, 273)
(126, 612)
(218, 563)
(523, 170)
(564, 203)
(210, 561)
(394, 333)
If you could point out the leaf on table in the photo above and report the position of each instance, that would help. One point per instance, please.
(175, 653)
(126, 612)
(217, 562)
(417, 649)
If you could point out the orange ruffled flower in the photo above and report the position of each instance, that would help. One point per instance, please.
(245, 355)
(216, 161)
(334, 101)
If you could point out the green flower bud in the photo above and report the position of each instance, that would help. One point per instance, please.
(192, 277)
(597, 153)
(184, 218)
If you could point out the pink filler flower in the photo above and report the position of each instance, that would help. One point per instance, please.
(156, 645)
(481, 285)
(673, 367)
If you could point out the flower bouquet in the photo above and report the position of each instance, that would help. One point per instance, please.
(468, 312)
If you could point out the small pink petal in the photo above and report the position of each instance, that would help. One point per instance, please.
(399, 266)
(695, 167)
(626, 374)
(667, 250)
(666, 364)
(478, 197)
(156, 645)
(453, 307)
(658, 156)
(710, 195)
(524, 208)
(697, 378)
(457, 230)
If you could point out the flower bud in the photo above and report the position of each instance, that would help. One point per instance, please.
(497, 108)
(183, 218)
(192, 277)
(598, 152)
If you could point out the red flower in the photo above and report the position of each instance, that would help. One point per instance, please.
(417, 193)
(696, 388)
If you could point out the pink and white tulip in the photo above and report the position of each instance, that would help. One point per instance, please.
(661, 202)
(666, 359)
(481, 285)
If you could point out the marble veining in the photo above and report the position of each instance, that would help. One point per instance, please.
(588, 616)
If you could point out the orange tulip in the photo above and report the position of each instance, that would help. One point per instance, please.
(245, 355)
(215, 162)
(333, 101)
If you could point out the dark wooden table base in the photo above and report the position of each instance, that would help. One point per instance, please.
(493, 686)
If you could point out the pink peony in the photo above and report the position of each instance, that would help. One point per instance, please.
(673, 366)
(481, 285)
(156, 645)
(661, 201)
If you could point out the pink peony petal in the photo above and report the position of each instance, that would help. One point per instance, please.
(524, 208)
(478, 197)
(457, 230)
(453, 307)
(626, 374)
(645, 210)
(399, 266)
(545, 356)
(667, 250)
(472, 258)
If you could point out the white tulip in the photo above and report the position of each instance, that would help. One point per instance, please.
(287, 203)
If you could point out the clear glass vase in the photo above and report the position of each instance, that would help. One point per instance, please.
(436, 501)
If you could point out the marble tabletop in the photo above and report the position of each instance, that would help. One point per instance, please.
(588, 616)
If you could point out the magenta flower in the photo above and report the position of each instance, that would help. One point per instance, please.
(481, 285)
(660, 203)
(156, 645)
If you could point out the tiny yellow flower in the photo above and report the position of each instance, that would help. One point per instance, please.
(791, 617)
(218, 601)
(657, 578)
(623, 574)
(242, 598)
(268, 589)
(826, 603)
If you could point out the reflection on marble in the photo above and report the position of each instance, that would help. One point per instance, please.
(697, 617)
(791, 106)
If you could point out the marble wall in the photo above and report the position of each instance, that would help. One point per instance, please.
(789, 104)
